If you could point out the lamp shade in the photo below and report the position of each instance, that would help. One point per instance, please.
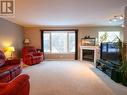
(26, 41)
(11, 49)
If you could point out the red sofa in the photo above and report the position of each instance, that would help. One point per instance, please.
(18, 86)
(31, 56)
(9, 69)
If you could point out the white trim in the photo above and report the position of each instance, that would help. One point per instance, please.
(59, 60)
(58, 53)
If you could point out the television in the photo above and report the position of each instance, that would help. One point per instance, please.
(110, 52)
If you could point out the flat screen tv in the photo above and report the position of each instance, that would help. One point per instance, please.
(110, 52)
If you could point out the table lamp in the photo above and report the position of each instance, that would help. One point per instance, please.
(10, 49)
(26, 42)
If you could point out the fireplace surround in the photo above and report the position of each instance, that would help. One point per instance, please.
(89, 53)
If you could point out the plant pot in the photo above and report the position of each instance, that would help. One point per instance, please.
(124, 80)
(116, 76)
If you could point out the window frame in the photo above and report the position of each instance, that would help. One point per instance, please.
(49, 41)
(68, 46)
(108, 32)
(60, 31)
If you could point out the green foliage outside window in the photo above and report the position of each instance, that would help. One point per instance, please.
(104, 37)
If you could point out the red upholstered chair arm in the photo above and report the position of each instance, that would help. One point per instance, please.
(16, 86)
(12, 61)
(2, 86)
(28, 56)
(38, 54)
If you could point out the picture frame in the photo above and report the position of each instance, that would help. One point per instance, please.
(88, 41)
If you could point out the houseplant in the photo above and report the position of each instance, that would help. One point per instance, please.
(123, 67)
(123, 70)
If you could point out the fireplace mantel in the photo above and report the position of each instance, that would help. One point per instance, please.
(94, 48)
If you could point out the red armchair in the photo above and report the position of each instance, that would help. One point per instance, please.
(31, 56)
(18, 86)
(9, 69)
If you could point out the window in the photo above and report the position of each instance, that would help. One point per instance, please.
(71, 42)
(109, 36)
(59, 42)
(46, 42)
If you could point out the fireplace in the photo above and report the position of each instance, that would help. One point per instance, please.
(89, 53)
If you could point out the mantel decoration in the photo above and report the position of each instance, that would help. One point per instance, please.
(87, 41)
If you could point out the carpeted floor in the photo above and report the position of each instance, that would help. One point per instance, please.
(70, 78)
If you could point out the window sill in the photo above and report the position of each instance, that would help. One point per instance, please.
(59, 53)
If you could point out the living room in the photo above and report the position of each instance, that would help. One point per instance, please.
(57, 47)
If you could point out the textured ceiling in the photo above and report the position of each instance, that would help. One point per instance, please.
(67, 12)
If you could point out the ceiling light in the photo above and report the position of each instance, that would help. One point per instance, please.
(122, 25)
(117, 20)
(110, 21)
(121, 17)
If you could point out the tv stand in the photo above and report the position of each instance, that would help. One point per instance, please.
(106, 66)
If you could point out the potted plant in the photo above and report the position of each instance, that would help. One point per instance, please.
(123, 70)
(120, 75)
(116, 73)
(123, 67)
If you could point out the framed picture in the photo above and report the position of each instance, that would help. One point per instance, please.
(88, 41)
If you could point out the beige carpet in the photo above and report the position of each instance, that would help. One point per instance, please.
(70, 78)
